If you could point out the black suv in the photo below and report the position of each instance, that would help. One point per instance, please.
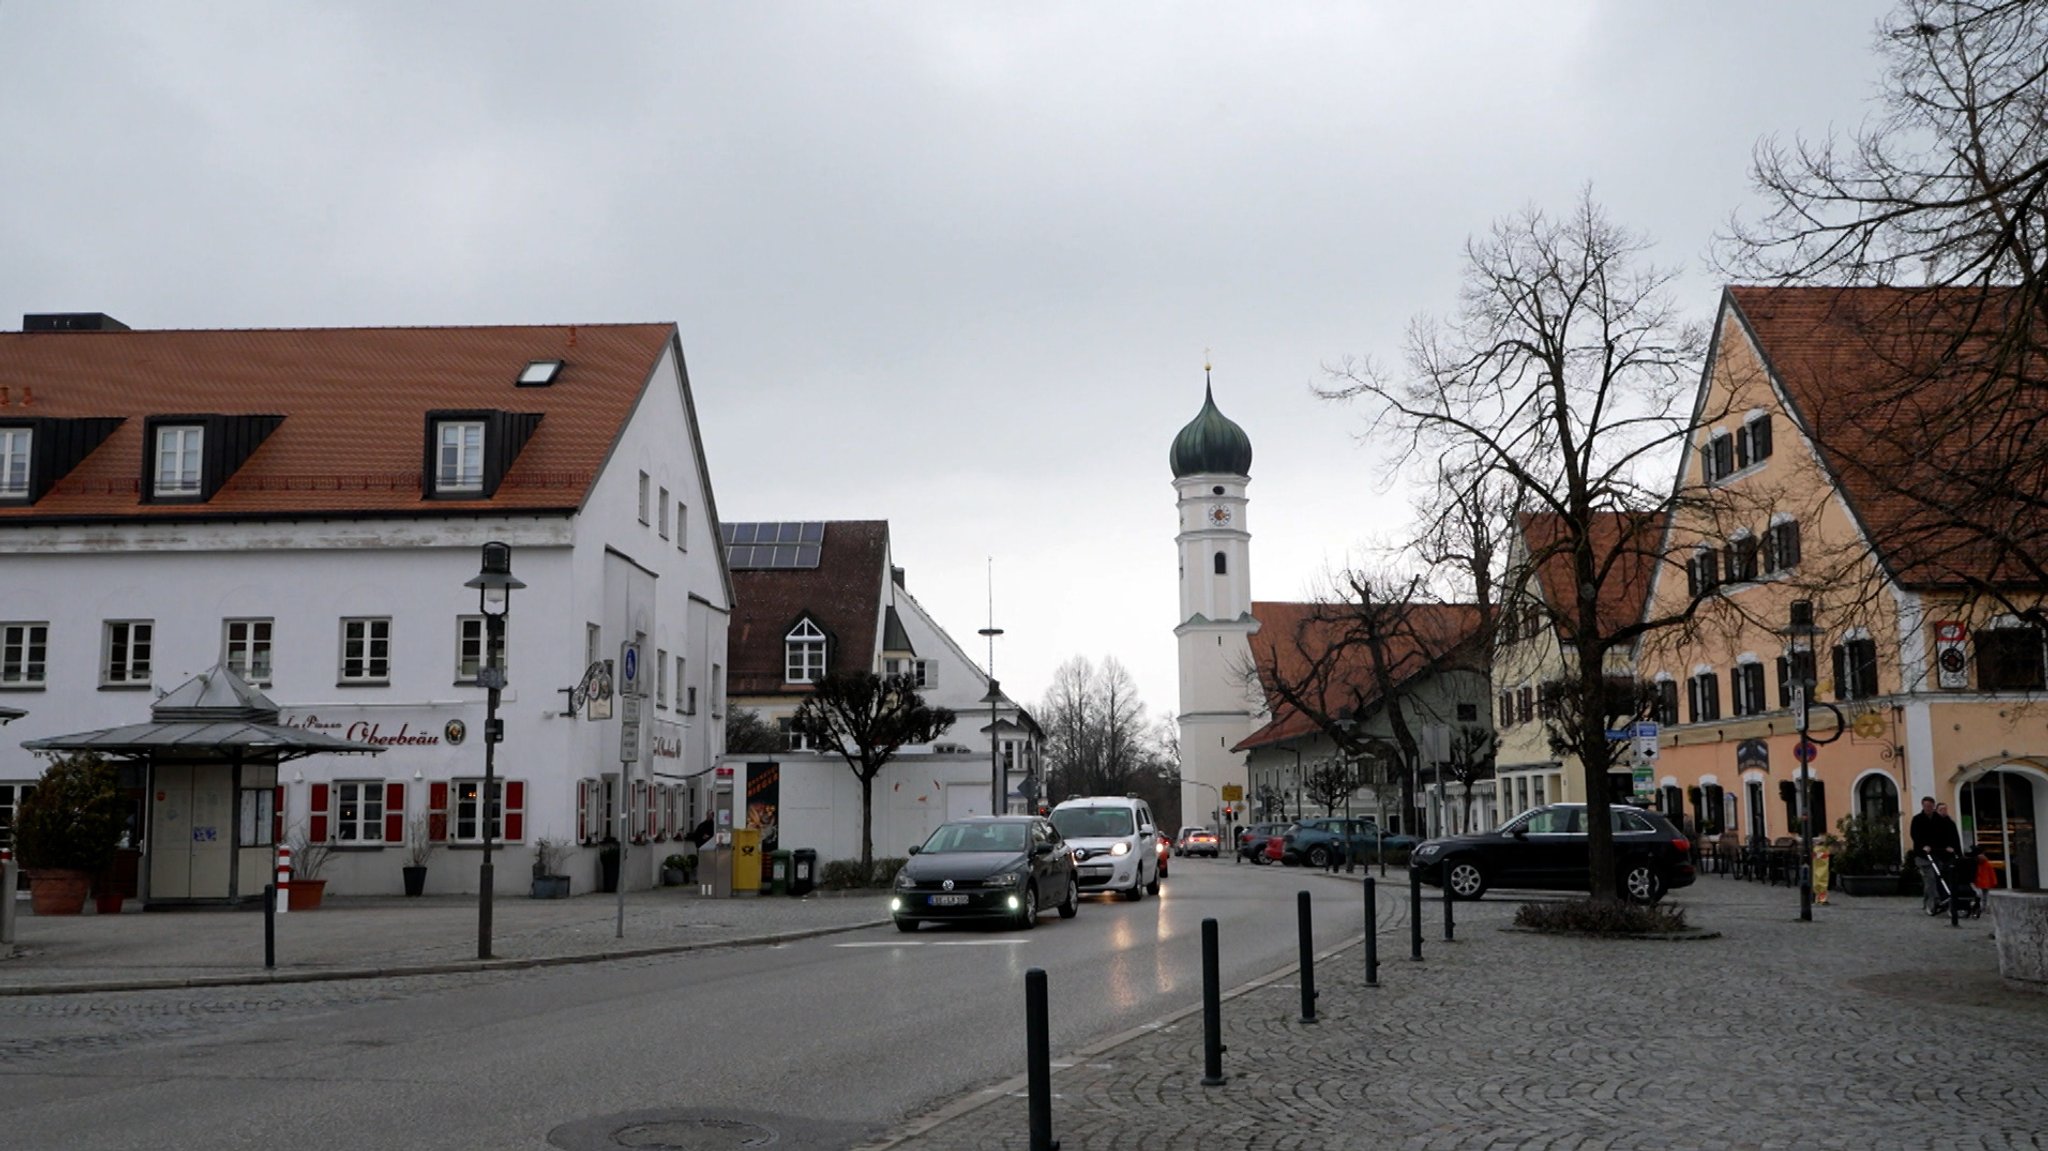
(1547, 849)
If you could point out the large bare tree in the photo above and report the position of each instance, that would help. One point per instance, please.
(867, 718)
(1933, 218)
(1099, 741)
(1567, 371)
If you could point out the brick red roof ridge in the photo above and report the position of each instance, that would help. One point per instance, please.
(1823, 345)
(354, 402)
(1454, 630)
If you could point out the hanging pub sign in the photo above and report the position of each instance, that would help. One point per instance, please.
(1951, 662)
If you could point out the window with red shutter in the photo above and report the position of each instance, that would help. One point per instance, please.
(317, 829)
(394, 813)
(437, 812)
(515, 811)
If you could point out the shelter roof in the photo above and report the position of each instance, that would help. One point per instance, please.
(215, 713)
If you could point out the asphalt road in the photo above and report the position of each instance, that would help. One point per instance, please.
(826, 1040)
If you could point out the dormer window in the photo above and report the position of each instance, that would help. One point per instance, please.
(178, 459)
(540, 373)
(459, 461)
(803, 654)
(14, 460)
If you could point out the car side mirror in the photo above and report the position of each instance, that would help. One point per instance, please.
(1041, 849)
(915, 850)
(1148, 829)
(1520, 833)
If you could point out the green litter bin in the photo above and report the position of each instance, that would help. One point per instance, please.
(803, 876)
(778, 873)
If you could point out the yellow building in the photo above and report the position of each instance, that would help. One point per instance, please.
(1930, 682)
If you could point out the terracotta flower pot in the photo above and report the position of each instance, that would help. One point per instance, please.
(305, 894)
(107, 902)
(58, 891)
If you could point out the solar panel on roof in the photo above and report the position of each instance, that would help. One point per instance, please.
(781, 545)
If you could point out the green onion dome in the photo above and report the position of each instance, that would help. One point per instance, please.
(1211, 444)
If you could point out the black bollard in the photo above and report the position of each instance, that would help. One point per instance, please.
(269, 925)
(1038, 1057)
(1212, 1008)
(1308, 957)
(1372, 934)
(1447, 903)
(1415, 915)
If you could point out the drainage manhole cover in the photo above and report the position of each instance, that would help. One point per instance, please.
(694, 1135)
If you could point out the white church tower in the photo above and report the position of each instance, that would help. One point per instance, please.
(1212, 463)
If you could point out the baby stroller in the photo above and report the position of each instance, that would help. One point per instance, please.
(1950, 880)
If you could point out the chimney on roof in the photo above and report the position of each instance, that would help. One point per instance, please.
(71, 322)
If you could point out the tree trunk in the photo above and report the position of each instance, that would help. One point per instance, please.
(867, 822)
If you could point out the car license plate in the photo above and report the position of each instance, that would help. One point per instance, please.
(1094, 873)
(949, 900)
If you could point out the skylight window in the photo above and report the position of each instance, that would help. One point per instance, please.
(540, 373)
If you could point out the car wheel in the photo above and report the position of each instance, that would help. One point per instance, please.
(1319, 856)
(1027, 914)
(1464, 879)
(1152, 888)
(1135, 892)
(906, 925)
(1071, 905)
(1639, 882)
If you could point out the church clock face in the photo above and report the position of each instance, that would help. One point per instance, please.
(1219, 515)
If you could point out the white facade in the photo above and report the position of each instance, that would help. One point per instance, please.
(593, 578)
(1219, 705)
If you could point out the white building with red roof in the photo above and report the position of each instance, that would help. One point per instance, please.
(305, 507)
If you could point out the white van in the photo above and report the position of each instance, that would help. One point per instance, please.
(1115, 843)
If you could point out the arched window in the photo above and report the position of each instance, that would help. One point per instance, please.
(1222, 564)
(803, 653)
(1877, 798)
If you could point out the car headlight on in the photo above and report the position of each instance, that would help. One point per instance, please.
(1006, 879)
(1120, 849)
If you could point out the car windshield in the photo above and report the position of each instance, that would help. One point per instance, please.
(1093, 822)
(955, 837)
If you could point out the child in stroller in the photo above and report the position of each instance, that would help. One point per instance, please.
(1951, 879)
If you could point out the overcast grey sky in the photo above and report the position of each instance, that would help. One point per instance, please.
(952, 265)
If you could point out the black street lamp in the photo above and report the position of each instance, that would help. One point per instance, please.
(997, 803)
(1800, 635)
(494, 584)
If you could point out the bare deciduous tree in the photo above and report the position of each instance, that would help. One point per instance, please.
(1565, 371)
(867, 718)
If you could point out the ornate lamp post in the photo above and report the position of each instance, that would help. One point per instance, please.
(1800, 635)
(494, 584)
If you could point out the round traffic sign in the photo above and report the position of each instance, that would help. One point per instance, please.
(1805, 750)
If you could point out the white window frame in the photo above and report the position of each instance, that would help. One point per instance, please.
(662, 519)
(247, 648)
(803, 652)
(121, 635)
(922, 672)
(459, 456)
(11, 795)
(179, 454)
(643, 497)
(471, 632)
(793, 740)
(24, 653)
(373, 633)
(463, 794)
(17, 446)
(361, 827)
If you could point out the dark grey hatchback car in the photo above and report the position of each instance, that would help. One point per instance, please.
(1547, 849)
(1006, 868)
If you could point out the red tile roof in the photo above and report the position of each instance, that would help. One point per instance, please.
(843, 594)
(1626, 549)
(1323, 649)
(354, 402)
(1936, 455)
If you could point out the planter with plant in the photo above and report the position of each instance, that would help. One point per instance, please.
(548, 856)
(308, 859)
(65, 832)
(675, 870)
(1867, 862)
(419, 848)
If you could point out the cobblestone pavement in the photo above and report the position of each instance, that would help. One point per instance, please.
(375, 937)
(1873, 1026)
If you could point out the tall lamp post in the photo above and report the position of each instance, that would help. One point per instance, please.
(996, 762)
(494, 584)
(1800, 636)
